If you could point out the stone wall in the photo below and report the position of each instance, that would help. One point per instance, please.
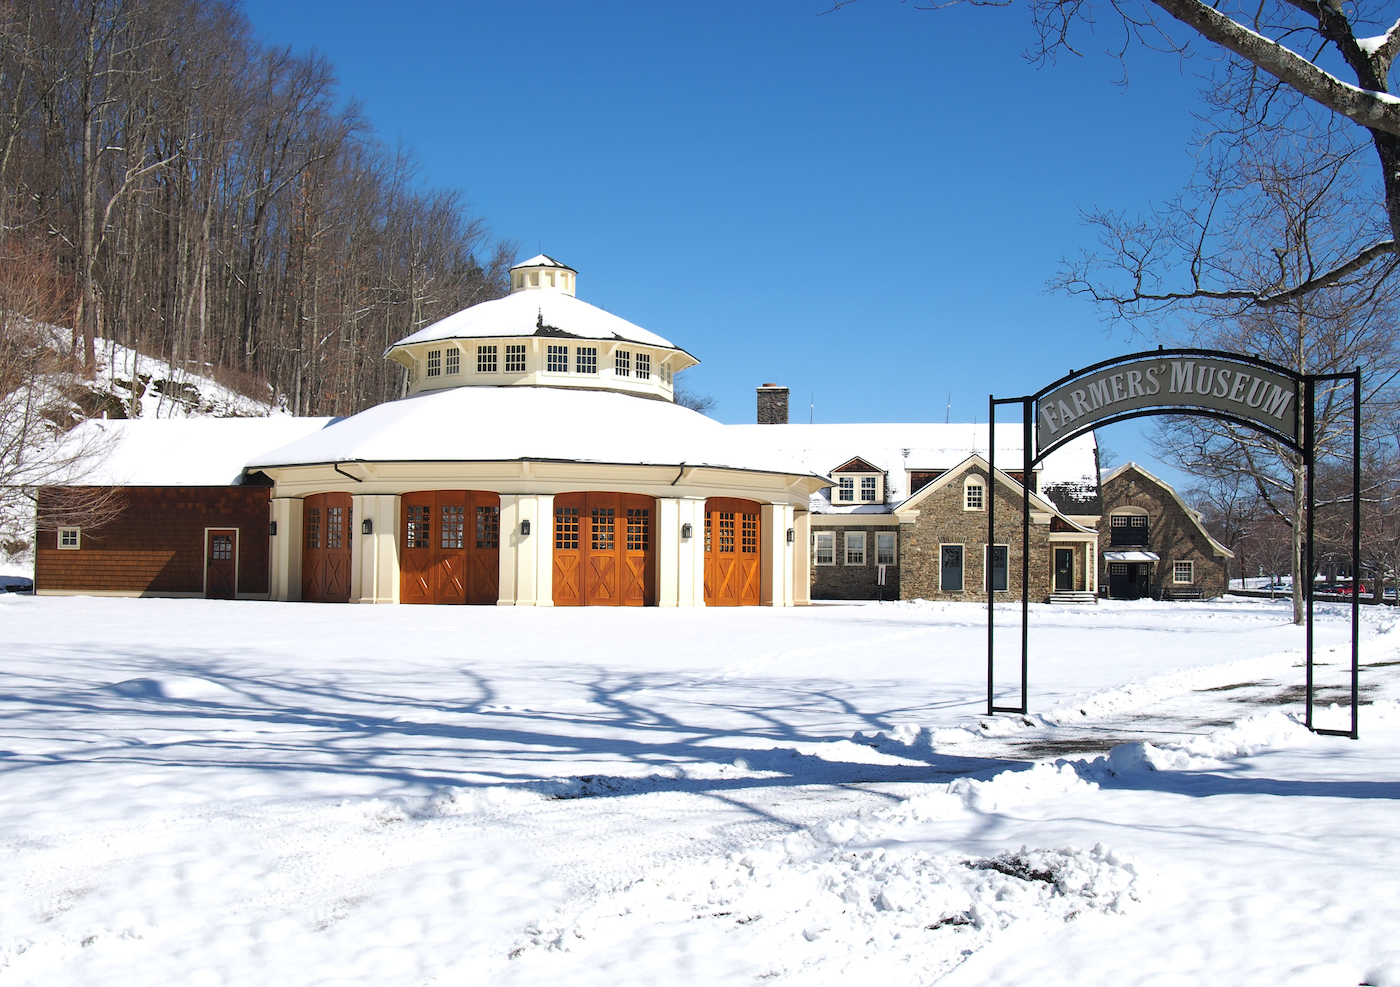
(856, 582)
(942, 520)
(1172, 534)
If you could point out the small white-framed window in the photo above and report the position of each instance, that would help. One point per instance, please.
(454, 361)
(886, 548)
(846, 489)
(643, 371)
(70, 538)
(867, 489)
(1184, 572)
(974, 494)
(855, 548)
(486, 359)
(1000, 561)
(515, 358)
(557, 360)
(950, 567)
(825, 547)
(434, 363)
(586, 359)
(622, 363)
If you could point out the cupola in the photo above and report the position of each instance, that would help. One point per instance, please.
(542, 272)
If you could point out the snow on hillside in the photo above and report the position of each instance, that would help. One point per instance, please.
(206, 792)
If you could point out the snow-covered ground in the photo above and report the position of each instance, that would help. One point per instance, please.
(201, 792)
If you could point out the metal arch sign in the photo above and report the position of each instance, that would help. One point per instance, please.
(1253, 392)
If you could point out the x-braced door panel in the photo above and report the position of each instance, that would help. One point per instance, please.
(603, 550)
(327, 521)
(450, 551)
(732, 536)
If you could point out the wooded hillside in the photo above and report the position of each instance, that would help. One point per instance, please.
(171, 183)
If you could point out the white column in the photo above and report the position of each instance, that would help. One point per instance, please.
(527, 560)
(374, 558)
(284, 573)
(775, 556)
(1093, 567)
(802, 558)
(680, 560)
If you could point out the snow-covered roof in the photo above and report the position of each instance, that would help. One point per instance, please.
(542, 260)
(530, 313)
(531, 423)
(899, 448)
(182, 452)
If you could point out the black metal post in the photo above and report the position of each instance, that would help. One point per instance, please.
(1356, 550)
(1026, 406)
(987, 565)
(1306, 574)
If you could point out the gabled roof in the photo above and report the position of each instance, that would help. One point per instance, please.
(1190, 512)
(542, 260)
(1038, 502)
(857, 465)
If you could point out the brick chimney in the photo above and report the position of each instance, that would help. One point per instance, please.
(772, 405)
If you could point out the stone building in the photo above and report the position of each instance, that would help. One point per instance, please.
(1153, 545)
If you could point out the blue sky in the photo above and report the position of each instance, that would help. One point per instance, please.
(864, 205)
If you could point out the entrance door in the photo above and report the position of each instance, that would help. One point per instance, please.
(451, 547)
(325, 555)
(1129, 580)
(221, 563)
(1064, 569)
(732, 533)
(603, 552)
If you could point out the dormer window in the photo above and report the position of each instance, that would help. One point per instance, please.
(974, 494)
(867, 489)
(859, 482)
(846, 489)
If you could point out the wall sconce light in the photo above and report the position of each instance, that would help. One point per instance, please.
(686, 532)
(272, 529)
(367, 527)
(791, 536)
(524, 529)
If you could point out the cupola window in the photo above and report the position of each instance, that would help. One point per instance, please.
(557, 360)
(586, 360)
(644, 366)
(515, 358)
(454, 361)
(486, 359)
(434, 363)
(622, 363)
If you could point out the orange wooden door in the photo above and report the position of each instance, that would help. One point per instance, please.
(221, 563)
(325, 556)
(484, 563)
(732, 536)
(567, 551)
(417, 556)
(448, 574)
(603, 550)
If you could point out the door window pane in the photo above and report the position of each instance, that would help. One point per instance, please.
(952, 568)
(999, 566)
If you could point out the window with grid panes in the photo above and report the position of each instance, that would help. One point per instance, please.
(1183, 572)
(708, 544)
(515, 358)
(846, 489)
(419, 525)
(566, 527)
(826, 547)
(726, 532)
(586, 359)
(434, 363)
(223, 548)
(885, 548)
(69, 538)
(488, 526)
(622, 363)
(638, 529)
(486, 359)
(855, 548)
(452, 529)
(601, 530)
(643, 366)
(335, 526)
(972, 496)
(557, 360)
(867, 489)
(454, 361)
(312, 524)
(748, 534)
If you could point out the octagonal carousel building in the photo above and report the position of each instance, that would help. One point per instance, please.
(536, 458)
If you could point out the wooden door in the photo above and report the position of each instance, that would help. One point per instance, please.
(450, 551)
(732, 537)
(221, 563)
(603, 550)
(1064, 569)
(325, 556)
